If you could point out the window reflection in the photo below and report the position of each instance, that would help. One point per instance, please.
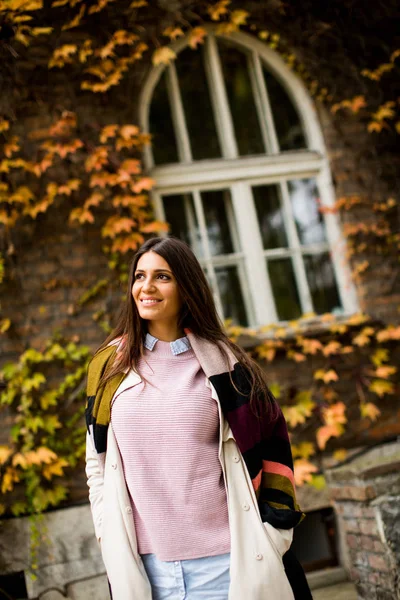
(197, 105)
(321, 279)
(241, 100)
(305, 202)
(287, 123)
(161, 127)
(231, 295)
(284, 288)
(221, 229)
(181, 217)
(270, 217)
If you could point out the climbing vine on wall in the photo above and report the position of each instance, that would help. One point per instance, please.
(97, 169)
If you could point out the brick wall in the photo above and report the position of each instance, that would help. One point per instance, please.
(366, 498)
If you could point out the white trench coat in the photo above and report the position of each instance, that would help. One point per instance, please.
(256, 567)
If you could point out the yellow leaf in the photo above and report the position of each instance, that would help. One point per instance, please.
(369, 410)
(296, 356)
(62, 55)
(326, 376)
(5, 325)
(173, 32)
(5, 453)
(76, 20)
(41, 30)
(4, 125)
(218, 9)
(303, 470)
(54, 469)
(138, 3)
(380, 387)
(163, 56)
(9, 478)
(318, 482)
(340, 454)
(332, 348)
(239, 17)
(303, 450)
(380, 356)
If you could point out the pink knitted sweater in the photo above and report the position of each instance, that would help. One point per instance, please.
(167, 432)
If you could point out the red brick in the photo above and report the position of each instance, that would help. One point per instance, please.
(351, 525)
(367, 543)
(355, 574)
(353, 492)
(352, 541)
(378, 562)
(379, 547)
(369, 527)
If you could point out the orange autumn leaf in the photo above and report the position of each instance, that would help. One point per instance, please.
(107, 132)
(173, 32)
(155, 227)
(196, 36)
(217, 10)
(97, 159)
(163, 56)
(130, 242)
(325, 432)
(11, 146)
(332, 347)
(334, 414)
(309, 346)
(296, 356)
(326, 376)
(115, 225)
(146, 183)
(303, 470)
(385, 371)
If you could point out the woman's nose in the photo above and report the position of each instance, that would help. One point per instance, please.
(148, 284)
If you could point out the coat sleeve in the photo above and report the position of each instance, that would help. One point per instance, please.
(275, 486)
(95, 481)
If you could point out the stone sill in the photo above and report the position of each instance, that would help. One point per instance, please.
(309, 326)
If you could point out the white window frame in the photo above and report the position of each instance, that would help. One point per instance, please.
(239, 173)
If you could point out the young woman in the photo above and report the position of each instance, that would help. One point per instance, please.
(189, 465)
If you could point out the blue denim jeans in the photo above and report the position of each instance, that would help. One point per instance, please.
(196, 579)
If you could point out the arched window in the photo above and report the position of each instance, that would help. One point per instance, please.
(241, 174)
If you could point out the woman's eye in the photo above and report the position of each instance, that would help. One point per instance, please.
(163, 276)
(138, 275)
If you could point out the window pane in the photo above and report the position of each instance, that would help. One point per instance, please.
(181, 216)
(284, 288)
(197, 105)
(270, 217)
(305, 201)
(287, 123)
(163, 140)
(241, 100)
(321, 280)
(231, 295)
(221, 230)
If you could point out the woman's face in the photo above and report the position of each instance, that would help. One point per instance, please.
(155, 290)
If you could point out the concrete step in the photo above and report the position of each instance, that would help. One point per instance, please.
(326, 577)
(338, 591)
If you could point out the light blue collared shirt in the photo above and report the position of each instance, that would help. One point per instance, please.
(177, 346)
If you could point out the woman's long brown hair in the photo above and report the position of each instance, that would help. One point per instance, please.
(198, 313)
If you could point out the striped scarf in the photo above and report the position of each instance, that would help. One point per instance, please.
(262, 441)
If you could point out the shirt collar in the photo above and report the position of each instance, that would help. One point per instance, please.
(177, 346)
